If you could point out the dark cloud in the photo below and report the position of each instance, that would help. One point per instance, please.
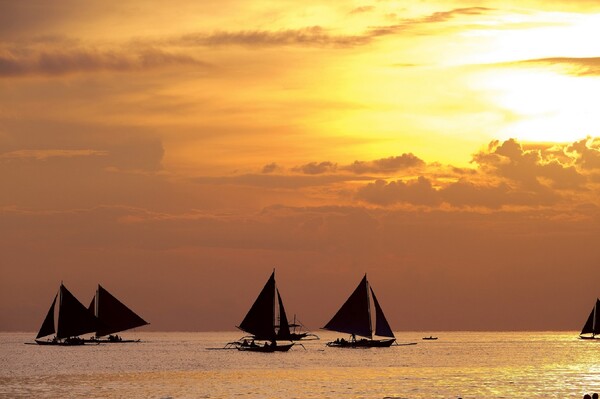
(91, 145)
(421, 192)
(362, 9)
(318, 36)
(584, 66)
(527, 168)
(61, 62)
(278, 180)
(309, 36)
(443, 16)
(314, 168)
(386, 165)
(434, 18)
(270, 168)
(417, 192)
(506, 175)
(587, 152)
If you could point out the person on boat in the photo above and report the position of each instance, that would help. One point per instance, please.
(353, 338)
(587, 396)
(595, 396)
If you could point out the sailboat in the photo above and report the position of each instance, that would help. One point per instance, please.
(592, 325)
(73, 320)
(113, 317)
(354, 318)
(261, 322)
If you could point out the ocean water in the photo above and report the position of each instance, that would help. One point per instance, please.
(180, 365)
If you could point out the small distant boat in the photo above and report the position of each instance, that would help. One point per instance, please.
(430, 338)
(261, 323)
(73, 321)
(354, 318)
(592, 325)
(113, 317)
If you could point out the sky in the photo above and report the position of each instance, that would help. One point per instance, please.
(176, 153)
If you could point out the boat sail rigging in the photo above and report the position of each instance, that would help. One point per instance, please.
(354, 318)
(267, 321)
(73, 320)
(113, 316)
(592, 325)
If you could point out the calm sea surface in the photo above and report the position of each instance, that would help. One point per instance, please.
(179, 365)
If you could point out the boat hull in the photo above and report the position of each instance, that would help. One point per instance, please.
(362, 343)
(108, 341)
(62, 343)
(265, 349)
(596, 337)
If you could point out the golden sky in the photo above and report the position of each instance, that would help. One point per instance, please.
(177, 152)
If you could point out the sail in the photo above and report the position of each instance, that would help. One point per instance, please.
(48, 324)
(260, 320)
(113, 315)
(591, 326)
(284, 327)
(92, 307)
(354, 315)
(382, 327)
(73, 318)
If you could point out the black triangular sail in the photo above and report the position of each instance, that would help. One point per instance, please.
(592, 326)
(354, 315)
(382, 327)
(73, 317)
(48, 324)
(260, 320)
(284, 327)
(113, 315)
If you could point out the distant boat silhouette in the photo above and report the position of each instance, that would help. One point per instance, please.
(592, 325)
(354, 317)
(430, 338)
(261, 323)
(113, 317)
(73, 320)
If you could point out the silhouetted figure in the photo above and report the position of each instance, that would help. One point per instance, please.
(595, 396)
(586, 396)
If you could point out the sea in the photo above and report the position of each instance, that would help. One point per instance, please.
(194, 365)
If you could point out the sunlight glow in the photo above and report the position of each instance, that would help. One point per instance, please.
(545, 106)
